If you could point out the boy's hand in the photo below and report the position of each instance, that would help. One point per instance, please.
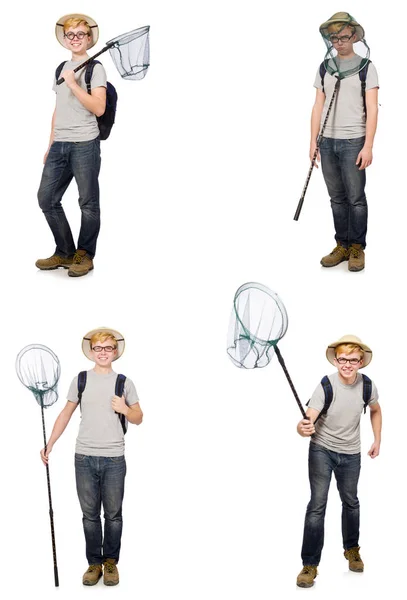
(45, 456)
(312, 149)
(119, 405)
(365, 158)
(374, 450)
(69, 77)
(305, 428)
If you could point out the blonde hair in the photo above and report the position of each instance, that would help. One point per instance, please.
(337, 27)
(102, 336)
(75, 22)
(348, 349)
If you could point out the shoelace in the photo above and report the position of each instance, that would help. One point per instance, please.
(354, 252)
(308, 570)
(109, 567)
(339, 249)
(354, 554)
(77, 259)
(93, 568)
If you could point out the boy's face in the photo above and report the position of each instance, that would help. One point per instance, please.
(343, 41)
(348, 365)
(77, 45)
(104, 353)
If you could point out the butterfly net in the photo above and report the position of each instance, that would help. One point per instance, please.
(258, 321)
(130, 53)
(347, 51)
(38, 369)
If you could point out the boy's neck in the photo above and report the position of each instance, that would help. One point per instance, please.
(102, 370)
(79, 57)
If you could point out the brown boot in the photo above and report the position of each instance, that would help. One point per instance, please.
(306, 578)
(81, 264)
(355, 562)
(338, 255)
(110, 572)
(356, 258)
(53, 262)
(92, 575)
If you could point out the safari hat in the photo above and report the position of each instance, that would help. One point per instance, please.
(349, 339)
(59, 28)
(342, 17)
(86, 341)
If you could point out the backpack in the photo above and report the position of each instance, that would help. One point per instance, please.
(119, 388)
(106, 121)
(362, 77)
(328, 391)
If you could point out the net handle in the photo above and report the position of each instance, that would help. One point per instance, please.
(51, 512)
(62, 79)
(314, 158)
(294, 391)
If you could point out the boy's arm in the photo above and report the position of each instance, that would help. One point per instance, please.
(51, 137)
(365, 156)
(133, 413)
(316, 123)
(95, 102)
(306, 426)
(59, 428)
(376, 421)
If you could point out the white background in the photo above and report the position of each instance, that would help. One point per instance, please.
(199, 183)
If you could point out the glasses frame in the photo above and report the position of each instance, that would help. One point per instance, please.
(340, 38)
(107, 349)
(71, 35)
(342, 360)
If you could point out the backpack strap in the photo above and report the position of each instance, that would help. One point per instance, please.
(328, 392)
(362, 77)
(58, 70)
(322, 71)
(89, 73)
(81, 384)
(119, 389)
(367, 391)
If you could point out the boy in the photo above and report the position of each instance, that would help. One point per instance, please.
(346, 148)
(335, 447)
(100, 465)
(74, 150)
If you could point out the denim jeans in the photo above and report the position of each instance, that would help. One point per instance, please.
(321, 463)
(65, 161)
(346, 187)
(100, 480)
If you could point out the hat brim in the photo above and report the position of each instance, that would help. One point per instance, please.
(330, 351)
(59, 28)
(86, 341)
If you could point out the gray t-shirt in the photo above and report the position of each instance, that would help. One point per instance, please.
(339, 428)
(100, 430)
(347, 117)
(74, 122)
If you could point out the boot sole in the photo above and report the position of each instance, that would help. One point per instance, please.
(73, 274)
(53, 268)
(335, 265)
(305, 585)
(356, 570)
(111, 583)
(90, 583)
(355, 269)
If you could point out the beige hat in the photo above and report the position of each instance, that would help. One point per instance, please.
(86, 339)
(342, 17)
(59, 28)
(349, 339)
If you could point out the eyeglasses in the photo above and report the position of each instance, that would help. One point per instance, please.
(342, 38)
(71, 35)
(105, 348)
(352, 361)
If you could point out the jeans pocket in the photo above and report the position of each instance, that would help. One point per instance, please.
(356, 141)
(80, 457)
(117, 459)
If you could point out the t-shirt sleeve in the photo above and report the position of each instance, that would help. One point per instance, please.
(317, 82)
(73, 390)
(372, 80)
(317, 399)
(130, 393)
(374, 399)
(99, 78)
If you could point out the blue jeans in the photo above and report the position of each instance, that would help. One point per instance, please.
(100, 480)
(346, 187)
(65, 161)
(321, 463)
